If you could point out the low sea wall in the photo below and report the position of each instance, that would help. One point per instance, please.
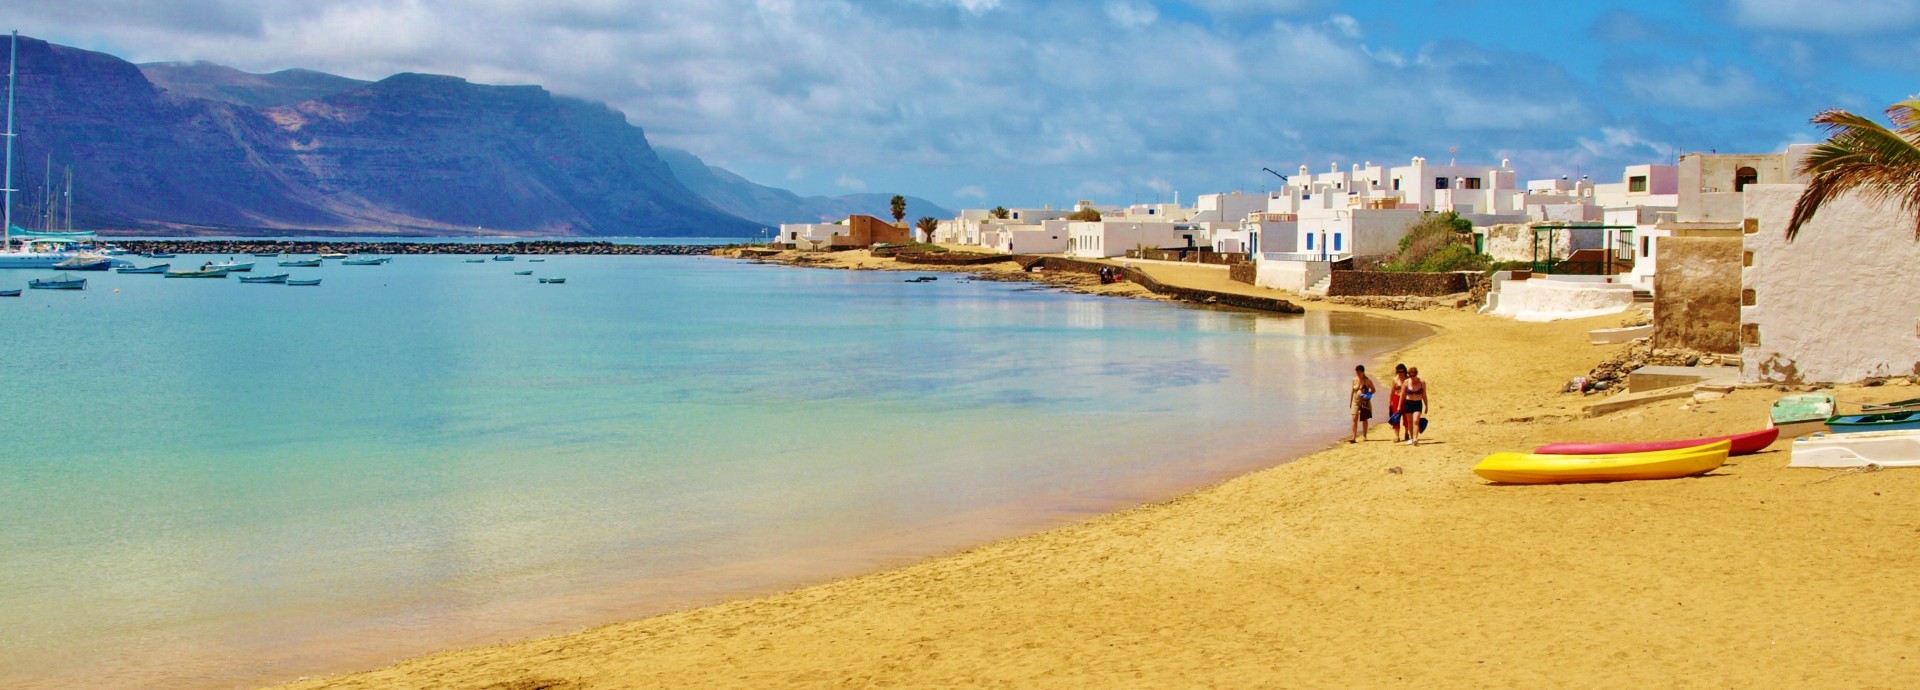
(325, 246)
(1273, 304)
(1395, 284)
(951, 258)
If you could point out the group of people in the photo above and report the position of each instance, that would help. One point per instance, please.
(1109, 274)
(1407, 404)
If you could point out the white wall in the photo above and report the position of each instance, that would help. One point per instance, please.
(1556, 299)
(1292, 276)
(1113, 238)
(1841, 302)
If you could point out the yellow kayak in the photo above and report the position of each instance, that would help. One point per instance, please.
(1534, 468)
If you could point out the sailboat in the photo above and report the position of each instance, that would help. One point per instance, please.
(44, 249)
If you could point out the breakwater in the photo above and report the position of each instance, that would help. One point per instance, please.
(328, 246)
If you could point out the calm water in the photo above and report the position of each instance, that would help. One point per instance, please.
(208, 483)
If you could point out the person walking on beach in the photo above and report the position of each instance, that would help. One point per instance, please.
(1394, 398)
(1414, 405)
(1360, 401)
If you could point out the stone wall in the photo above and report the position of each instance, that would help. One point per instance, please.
(1229, 299)
(1243, 273)
(1382, 283)
(1696, 294)
(951, 258)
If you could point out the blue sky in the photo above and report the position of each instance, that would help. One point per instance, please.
(973, 103)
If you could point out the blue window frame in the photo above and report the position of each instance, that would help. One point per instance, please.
(1309, 241)
(1336, 241)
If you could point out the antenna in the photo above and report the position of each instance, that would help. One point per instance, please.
(1283, 178)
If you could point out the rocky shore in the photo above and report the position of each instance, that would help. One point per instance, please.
(329, 246)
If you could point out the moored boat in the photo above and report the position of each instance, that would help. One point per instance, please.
(536, 261)
(503, 257)
(234, 267)
(275, 278)
(198, 273)
(160, 255)
(1896, 406)
(85, 262)
(365, 262)
(1882, 448)
(1743, 444)
(304, 283)
(302, 263)
(266, 255)
(475, 261)
(555, 281)
(1879, 421)
(333, 255)
(523, 273)
(10, 293)
(59, 282)
(1802, 414)
(154, 269)
(1534, 468)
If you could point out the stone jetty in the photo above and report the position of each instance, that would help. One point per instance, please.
(402, 247)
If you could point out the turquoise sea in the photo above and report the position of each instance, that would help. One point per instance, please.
(206, 483)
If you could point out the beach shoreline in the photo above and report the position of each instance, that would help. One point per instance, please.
(1367, 564)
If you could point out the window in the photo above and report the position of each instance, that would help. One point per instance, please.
(1016, 215)
(1336, 241)
(1637, 183)
(1396, 184)
(1744, 177)
(1646, 246)
(1442, 183)
(1470, 183)
(1150, 212)
(1309, 241)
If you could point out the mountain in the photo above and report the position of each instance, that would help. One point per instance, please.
(222, 151)
(772, 206)
(228, 85)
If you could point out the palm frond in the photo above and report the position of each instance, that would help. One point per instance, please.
(1861, 156)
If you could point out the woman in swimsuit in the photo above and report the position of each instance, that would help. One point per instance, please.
(1360, 402)
(1413, 405)
(1394, 399)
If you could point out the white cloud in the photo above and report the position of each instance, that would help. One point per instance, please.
(1158, 184)
(1346, 25)
(1699, 85)
(850, 182)
(972, 191)
(1827, 16)
(1132, 14)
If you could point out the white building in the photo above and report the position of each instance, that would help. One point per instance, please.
(1106, 238)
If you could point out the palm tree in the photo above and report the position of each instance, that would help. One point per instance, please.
(899, 205)
(927, 225)
(999, 212)
(1860, 155)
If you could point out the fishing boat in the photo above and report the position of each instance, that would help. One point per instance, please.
(156, 268)
(1743, 444)
(475, 261)
(1898, 406)
(333, 255)
(85, 262)
(303, 263)
(275, 278)
(198, 273)
(555, 281)
(304, 283)
(1798, 415)
(523, 273)
(1534, 468)
(59, 282)
(160, 255)
(536, 261)
(266, 255)
(365, 262)
(10, 293)
(232, 267)
(1877, 421)
(503, 257)
(1881, 448)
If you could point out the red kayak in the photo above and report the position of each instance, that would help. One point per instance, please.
(1743, 444)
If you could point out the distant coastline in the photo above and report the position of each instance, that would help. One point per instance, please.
(414, 246)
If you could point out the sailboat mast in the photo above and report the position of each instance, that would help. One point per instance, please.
(6, 226)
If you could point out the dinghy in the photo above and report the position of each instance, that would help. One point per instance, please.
(1883, 448)
(301, 263)
(1802, 414)
(1533, 468)
(1743, 444)
(154, 269)
(1881, 421)
(304, 283)
(59, 282)
(275, 278)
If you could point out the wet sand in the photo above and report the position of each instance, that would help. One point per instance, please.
(1364, 565)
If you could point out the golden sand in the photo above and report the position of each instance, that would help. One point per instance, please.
(1366, 565)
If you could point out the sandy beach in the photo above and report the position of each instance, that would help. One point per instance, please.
(1364, 565)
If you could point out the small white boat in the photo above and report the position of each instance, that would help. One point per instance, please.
(333, 255)
(1883, 448)
(231, 267)
(1609, 336)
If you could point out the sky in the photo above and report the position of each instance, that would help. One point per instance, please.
(976, 103)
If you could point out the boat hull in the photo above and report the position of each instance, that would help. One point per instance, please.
(1884, 421)
(1743, 444)
(309, 263)
(10, 293)
(154, 269)
(304, 283)
(276, 278)
(1882, 448)
(1534, 468)
(199, 273)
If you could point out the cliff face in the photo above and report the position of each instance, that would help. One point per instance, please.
(408, 154)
